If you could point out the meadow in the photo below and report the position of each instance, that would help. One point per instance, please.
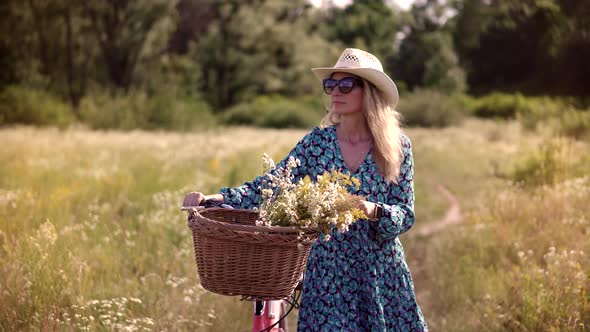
(92, 238)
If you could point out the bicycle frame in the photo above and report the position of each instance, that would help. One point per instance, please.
(271, 316)
(267, 313)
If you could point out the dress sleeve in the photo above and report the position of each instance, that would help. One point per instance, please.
(248, 195)
(398, 210)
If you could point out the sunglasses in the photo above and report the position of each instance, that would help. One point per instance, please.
(345, 85)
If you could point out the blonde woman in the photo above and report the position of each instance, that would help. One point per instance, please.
(359, 280)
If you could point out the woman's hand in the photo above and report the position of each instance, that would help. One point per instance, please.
(369, 209)
(195, 198)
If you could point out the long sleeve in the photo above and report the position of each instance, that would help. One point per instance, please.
(398, 209)
(248, 195)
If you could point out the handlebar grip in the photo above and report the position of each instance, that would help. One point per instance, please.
(211, 203)
(208, 203)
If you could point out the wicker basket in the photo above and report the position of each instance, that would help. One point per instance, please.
(236, 257)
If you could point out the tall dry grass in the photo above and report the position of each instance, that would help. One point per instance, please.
(519, 260)
(91, 237)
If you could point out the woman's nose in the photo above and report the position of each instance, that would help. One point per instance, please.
(337, 91)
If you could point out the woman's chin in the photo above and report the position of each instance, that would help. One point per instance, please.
(343, 111)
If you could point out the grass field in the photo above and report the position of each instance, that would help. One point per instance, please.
(91, 237)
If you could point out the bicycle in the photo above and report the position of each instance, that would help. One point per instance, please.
(269, 315)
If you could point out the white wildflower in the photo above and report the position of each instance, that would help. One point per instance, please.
(307, 203)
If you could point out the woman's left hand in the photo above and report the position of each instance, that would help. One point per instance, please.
(369, 209)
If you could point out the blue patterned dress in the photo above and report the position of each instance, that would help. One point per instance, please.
(358, 280)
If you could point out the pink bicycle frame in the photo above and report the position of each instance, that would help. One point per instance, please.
(267, 313)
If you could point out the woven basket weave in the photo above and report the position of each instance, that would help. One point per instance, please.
(236, 257)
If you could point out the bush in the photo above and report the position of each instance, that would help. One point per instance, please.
(139, 111)
(562, 114)
(467, 102)
(276, 112)
(498, 105)
(533, 111)
(574, 123)
(170, 112)
(104, 112)
(554, 162)
(429, 108)
(21, 105)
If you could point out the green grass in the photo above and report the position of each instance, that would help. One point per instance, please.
(91, 235)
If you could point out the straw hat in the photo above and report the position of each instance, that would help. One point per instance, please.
(366, 65)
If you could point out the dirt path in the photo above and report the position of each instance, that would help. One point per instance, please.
(452, 216)
(421, 259)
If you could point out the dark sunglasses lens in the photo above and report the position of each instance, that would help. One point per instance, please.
(346, 85)
(329, 85)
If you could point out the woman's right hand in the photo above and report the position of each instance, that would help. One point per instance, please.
(193, 199)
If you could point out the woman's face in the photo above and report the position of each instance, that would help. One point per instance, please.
(348, 103)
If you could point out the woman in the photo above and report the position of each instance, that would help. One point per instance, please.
(359, 280)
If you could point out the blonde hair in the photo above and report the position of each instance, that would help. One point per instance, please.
(384, 123)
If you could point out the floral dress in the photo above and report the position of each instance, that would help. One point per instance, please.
(359, 279)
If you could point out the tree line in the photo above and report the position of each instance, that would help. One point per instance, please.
(230, 51)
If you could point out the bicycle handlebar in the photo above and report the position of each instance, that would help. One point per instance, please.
(206, 204)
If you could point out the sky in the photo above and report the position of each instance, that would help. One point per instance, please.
(404, 4)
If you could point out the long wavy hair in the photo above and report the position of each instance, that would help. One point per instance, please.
(384, 122)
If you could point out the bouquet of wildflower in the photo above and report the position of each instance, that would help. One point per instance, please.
(323, 204)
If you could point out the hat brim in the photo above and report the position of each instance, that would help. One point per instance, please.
(381, 80)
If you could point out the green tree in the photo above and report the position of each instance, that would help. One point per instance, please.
(194, 18)
(536, 46)
(370, 25)
(17, 45)
(129, 32)
(571, 48)
(427, 57)
(80, 53)
(471, 21)
(260, 47)
(511, 46)
(49, 49)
